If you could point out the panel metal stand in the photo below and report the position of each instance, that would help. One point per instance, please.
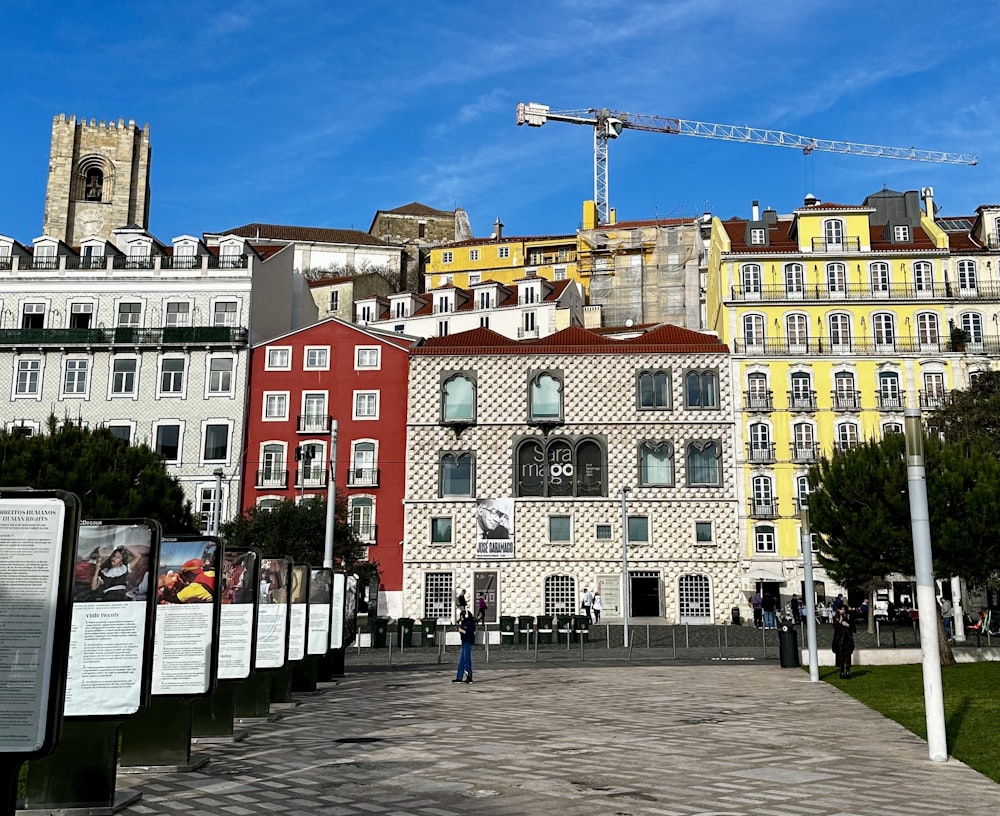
(281, 686)
(253, 699)
(79, 776)
(160, 740)
(304, 674)
(212, 717)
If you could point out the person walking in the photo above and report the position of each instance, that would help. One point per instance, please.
(597, 606)
(462, 605)
(588, 602)
(843, 641)
(794, 604)
(755, 605)
(467, 631)
(481, 609)
(768, 605)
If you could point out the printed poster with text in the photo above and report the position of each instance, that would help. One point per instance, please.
(272, 613)
(299, 613)
(111, 618)
(187, 600)
(238, 614)
(320, 589)
(31, 546)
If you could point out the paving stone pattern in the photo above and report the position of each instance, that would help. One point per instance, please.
(599, 738)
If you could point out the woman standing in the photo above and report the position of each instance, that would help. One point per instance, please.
(597, 606)
(843, 641)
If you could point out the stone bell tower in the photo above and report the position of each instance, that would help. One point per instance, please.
(98, 178)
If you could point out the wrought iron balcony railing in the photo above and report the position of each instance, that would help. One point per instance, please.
(987, 291)
(170, 335)
(271, 479)
(314, 423)
(760, 453)
(803, 452)
(758, 401)
(846, 400)
(782, 347)
(363, 477)
(801, 401)
(763, 508)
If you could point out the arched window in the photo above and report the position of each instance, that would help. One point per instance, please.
(703, 464)
(362, 515)
(560, 595)
(560, 466)
(762, 502)
(801, 396)
(458, 399)
(760, 448)
(890, 396)
(545, 398)
(836, 279)
(892, 428)
(880, 278)
(967, 276)
(797, 331)
(753, 331)
(845, 393)
(833, 232)
(803, 442)
(764, 541)
(363, 466)
(972, 325)
(758, 395)
(701, 389)
(847, 436)
(840, 331)
(272, 472)
(455, 474)
(656, 464)
(794, 279)
(884, 329)
(927, 329)
(751, 279)
(694, 599)
(654, 390)
(923, 277)
(93, 184)
(802, 490)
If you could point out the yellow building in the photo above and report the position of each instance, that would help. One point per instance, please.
(838, 317)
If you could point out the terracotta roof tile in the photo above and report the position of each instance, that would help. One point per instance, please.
(416, 208)
(279, 232)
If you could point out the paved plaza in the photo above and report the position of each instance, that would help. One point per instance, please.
(601, 737)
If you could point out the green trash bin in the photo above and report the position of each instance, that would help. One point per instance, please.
(404, 626)
(379, 628)
(507, 629)
(525, 628)
(544, 631)
(428, 631)
(582, 626)
(564, 629)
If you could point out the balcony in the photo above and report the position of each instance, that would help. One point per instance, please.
(762, 508)
(804, 452)
(853, 347)
(844, 445)
(761, 402)
(890, 402)
(123, 262)
(365, 533)
(86, 262)
(311, 478)
(313, 423)
(846, 400)
(864, 292)
(935, 398)
(523, 333)
(802, 401)
(271, 479)
(760, 453)
(849, 243)
(125, 335)
(363, 477)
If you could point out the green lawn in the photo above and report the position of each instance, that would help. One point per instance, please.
(971, 705)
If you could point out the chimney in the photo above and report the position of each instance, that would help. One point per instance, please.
(756, 211)
(810, 200)
(498, 229)
(927, 193)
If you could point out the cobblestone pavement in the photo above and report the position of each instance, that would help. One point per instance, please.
(560, 738)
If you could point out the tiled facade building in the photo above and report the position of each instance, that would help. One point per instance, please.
(541, 436)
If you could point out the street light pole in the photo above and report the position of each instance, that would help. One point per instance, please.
(625, 565)
(916, 479)
(217, 515)
(331, 498)
(810, 599)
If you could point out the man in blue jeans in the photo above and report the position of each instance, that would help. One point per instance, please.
(467, 630)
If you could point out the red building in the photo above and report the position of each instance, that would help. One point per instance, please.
(299, 383)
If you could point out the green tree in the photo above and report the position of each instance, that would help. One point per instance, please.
(111, 478)
(298, 532)
(972, 415)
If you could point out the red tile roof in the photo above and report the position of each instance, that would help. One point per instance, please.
(574, 340)
(416, 208)
(279, 232)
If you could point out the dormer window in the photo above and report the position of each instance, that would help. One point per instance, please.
(901, 233)
(530, 294)
(443, 304)
(758, 236)
(401, 309)
(484, 300)
(833, 231)
(475, 278)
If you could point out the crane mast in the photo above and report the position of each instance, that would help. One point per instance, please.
(609, 124)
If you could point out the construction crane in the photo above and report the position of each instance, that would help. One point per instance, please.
(609, 124)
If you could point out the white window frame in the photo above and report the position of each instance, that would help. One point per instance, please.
(901, 232)
(367, 358)
(132, 394)
(36, 393)
(603, 532)
(309, 361)
(170, 423)
(230, 317)
(182, 392)
(123, 423)
(473, 254)
(273, 358)
(559, 542)
(447, 257)
(227, 392)
(182, 318)
(74, 364)
(202, 438)
(274, 406)
(765, 539)
(503, 252)
(639, 518)
(357, 401)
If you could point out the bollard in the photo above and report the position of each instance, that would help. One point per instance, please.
(673, 640)
(687, 637)
(608, 630)
(763, 641)
(720, 645)
(631, 640)
(581, 649)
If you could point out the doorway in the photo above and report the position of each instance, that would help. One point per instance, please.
(644, 594)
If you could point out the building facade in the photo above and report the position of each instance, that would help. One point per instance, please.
(303, 385)
(839, 317)
(517, 454)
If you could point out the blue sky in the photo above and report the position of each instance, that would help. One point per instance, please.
(321, 113)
